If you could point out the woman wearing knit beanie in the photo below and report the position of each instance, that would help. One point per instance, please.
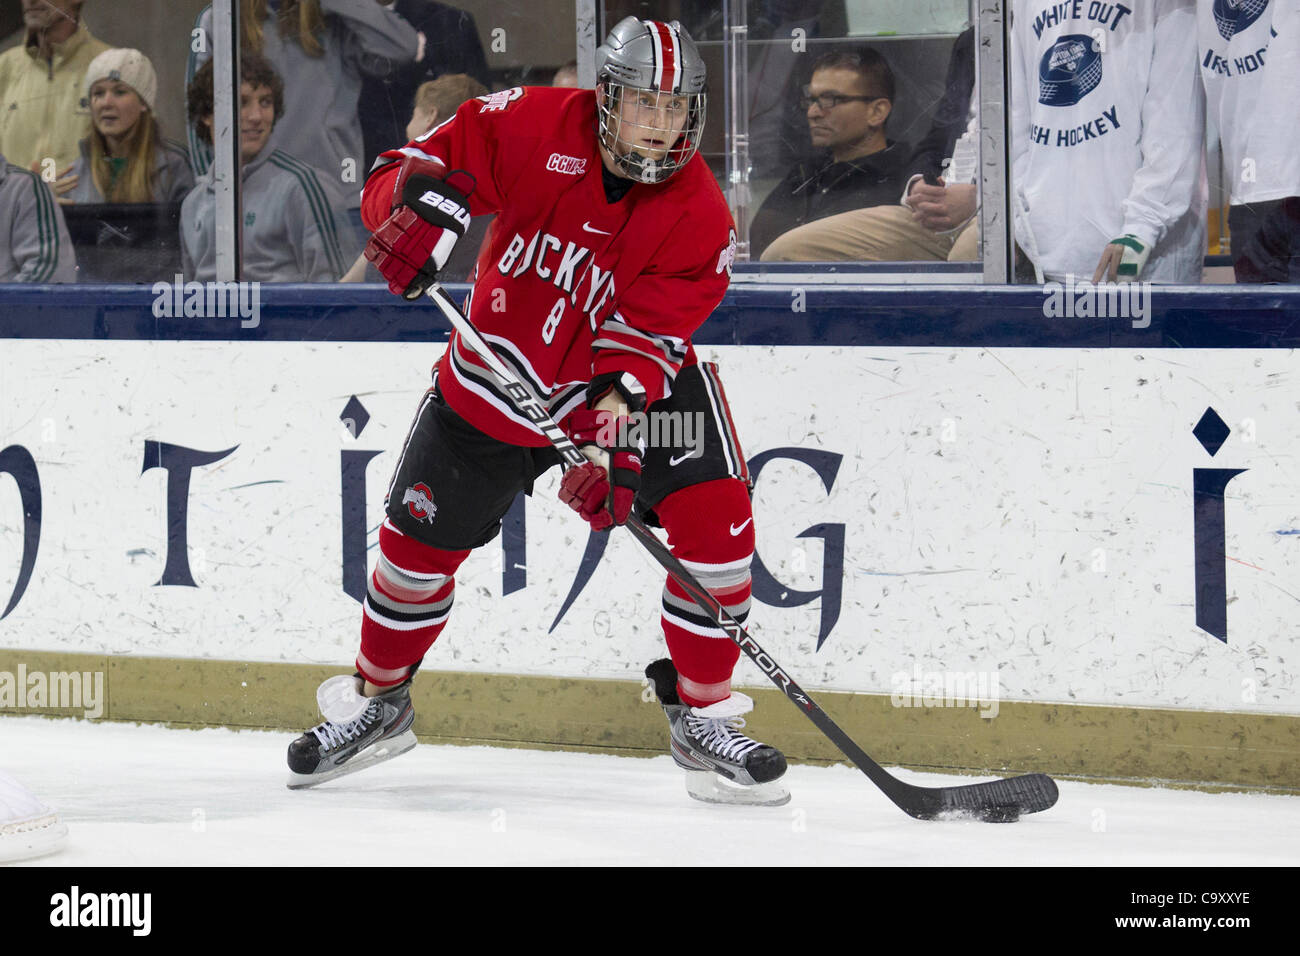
(124, 158)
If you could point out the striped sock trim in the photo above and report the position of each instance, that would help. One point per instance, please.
(398, 601)
(701, 627)
(380, 676)
(686, 607)
(701, 695)
(395, 621)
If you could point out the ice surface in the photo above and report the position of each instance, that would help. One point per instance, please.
(146, 795)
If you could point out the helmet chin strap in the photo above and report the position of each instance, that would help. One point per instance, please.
(633, 165)
(641, 167)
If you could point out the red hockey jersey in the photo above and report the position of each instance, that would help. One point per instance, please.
(568, 285)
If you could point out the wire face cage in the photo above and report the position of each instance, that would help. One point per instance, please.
(650, 134)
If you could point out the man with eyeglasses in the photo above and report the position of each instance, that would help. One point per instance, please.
(847, 101)
(934, 218)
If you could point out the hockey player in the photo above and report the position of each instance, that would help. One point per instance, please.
(612, 244)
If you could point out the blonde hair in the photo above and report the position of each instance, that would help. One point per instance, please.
(299, 20)
(137, 182)
(443, 96)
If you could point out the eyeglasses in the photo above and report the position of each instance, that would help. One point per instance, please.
(828, 101)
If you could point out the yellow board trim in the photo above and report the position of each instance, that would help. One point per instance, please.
(1212, 750)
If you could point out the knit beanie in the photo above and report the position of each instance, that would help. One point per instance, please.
(130, 66)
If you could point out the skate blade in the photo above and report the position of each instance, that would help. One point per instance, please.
(376, 753)
(709, 787)
(32, 838)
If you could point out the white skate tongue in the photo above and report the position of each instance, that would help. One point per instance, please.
(17, 802)
(340, 700)
(732, 706)
(28, 827)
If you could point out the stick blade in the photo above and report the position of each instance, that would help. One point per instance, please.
(995, 801)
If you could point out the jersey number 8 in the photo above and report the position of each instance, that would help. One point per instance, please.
(553, 321)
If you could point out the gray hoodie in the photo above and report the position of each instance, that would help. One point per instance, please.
(34, 243)
(321, 94)
(292, 229)
(171, 165)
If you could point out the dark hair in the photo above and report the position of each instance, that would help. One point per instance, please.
(254, 69)
(873, 68)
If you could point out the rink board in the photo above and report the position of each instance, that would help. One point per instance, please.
(1022, 515)
(1028, 513)
(1136, 745)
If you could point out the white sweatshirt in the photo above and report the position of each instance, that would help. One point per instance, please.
(1250, 65)
(1107, 134)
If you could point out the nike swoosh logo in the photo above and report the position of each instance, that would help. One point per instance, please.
(674, 462)
(588, 227)
(735, 531)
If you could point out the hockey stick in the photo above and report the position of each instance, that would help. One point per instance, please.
(995, 801)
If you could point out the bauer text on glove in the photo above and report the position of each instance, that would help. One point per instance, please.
(430, 213)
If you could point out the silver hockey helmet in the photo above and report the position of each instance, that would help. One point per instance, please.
(650, 97)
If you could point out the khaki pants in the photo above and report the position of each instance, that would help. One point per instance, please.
(875, 234)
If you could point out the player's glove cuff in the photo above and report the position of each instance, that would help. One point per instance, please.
(625, 383)
(439, 201)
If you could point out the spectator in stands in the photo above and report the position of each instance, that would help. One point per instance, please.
(291, 230)
(1250, 65)
(34, 243)
(566, 75)
(777, 126)
(847, 103)
(41, 117)
(125, 158)
(1107, 141)
(436, 101)
(934, 218)
(450, 45)
(322, 49)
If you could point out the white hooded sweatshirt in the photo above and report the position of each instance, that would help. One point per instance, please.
(1250, 65)
(1107, 134)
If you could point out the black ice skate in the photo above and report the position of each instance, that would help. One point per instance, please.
(722, 765)
(381, 732)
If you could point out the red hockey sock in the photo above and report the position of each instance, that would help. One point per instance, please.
(711, 531)
(407, 604)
